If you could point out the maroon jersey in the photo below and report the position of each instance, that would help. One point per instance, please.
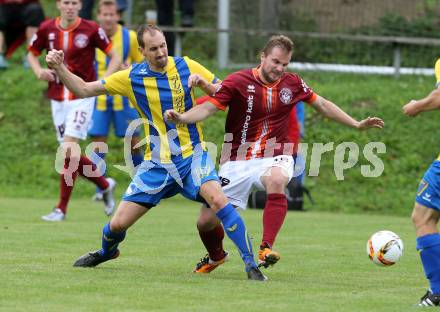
(259, 115)
(294, 134)
(78, 42)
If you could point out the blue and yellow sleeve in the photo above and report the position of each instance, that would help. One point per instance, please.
(196, 68)
(118, 83)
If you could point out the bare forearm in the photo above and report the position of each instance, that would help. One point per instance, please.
(431, 102)
(333, 112)
(74, 83)
(198, 113)
(210, 88)
(34, 63)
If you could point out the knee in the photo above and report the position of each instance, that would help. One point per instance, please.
(117, 225)
(71, 153)
(74, 159)
(276, 184)
(218, 201)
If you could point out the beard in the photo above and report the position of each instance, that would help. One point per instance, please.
(267, 77)
(161, 62)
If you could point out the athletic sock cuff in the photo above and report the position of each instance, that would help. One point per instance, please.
(113, 235)
(222, 213)
(276, 196)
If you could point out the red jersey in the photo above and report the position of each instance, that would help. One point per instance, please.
(78, 42)
(294, 134)
(259, 115)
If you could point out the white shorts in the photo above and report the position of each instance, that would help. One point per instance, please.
(239, 178)
(72, 118)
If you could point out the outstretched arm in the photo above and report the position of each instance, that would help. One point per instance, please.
(332, 111)
(77, 85)
(431, 102)
(195, 114)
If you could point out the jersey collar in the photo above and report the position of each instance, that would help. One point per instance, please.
(162, 73)
(71, 27)
(257, 76)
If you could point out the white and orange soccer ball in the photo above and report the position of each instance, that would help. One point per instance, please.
(384, 248)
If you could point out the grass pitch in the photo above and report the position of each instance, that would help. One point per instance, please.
(324, 266)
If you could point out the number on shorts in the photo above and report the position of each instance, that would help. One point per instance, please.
(61, 129)
(80, 117)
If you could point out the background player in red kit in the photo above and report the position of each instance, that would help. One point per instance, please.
(257, 151)
(78, 39)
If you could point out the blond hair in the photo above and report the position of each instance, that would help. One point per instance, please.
(281, 41)
(107, 3)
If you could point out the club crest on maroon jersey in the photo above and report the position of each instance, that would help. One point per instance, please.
(81, 41)
(286, 96)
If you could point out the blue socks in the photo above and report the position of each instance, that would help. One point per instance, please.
(429, 248)
(236, 231)
(137, 158)
(99, 160)
(110, 241)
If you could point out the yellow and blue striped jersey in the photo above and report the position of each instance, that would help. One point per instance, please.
(125, 45)
(152, 93)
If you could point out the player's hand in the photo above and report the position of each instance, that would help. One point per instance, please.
(55, 58)
(370, 122)
(171, 115)
(411, 109)
(195, 80)
(47, 75)
(124, 65)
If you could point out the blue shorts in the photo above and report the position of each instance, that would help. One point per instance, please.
(428, 193)
(154, 181)
(101, 121)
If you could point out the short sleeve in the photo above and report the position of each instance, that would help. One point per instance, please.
(118, 83)
(224, 94)
(306, 94)
(135, 55)
(38, 42)
(101, 40)
(196, 68)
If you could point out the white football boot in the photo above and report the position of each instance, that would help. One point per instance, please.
(55, 216)
(107, 197)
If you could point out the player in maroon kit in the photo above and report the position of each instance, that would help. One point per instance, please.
(257, 151)
(78, 38)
